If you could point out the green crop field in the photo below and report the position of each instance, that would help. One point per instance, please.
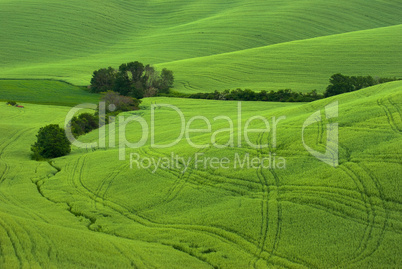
(45, 92)
(186, 183)
(269, 44)
(89, 209)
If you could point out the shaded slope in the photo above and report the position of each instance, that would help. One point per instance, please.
(45, 92)
(300, 65)
(69, 40)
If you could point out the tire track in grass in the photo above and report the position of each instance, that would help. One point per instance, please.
(76, 177)
(133, 263)
(201, 178)
(196, 178)
(366, 252)
(396, 107)
(369, 207)
(223, 235)
(4, 172)
(13, 138)
(264, 206)
(272, 204)
(328, 205)
(192, 178)
(11, 236)
(277, 207)
(278, 227)
(363, 251)
(108, 182)
(182, 176)
(187, 85)
(389, 116)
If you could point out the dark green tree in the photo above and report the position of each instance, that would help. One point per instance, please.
(103, 80)
(51, 143)
(338, 84)
(166, 80)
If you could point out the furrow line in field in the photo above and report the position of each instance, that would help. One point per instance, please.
(366, 252)
(396, 107)
(177, 185)
(221, 234)
(265, 194)
(334, 197)
(278, 227)
(211, 177)
(132, 262)
(108, 182)
(187, 85)
(371, 214)
(11, 236)
(278, 209)
(5, 171)
(112, 180)
(389, 116)
(14, 137)
(397, 160)
(264, 206)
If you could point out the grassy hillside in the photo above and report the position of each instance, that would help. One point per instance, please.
(69, 40)
(309, 215)
(45, 92)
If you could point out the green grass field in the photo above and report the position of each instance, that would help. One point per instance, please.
(269, 44)
(91, 210)
(45, 92)
(97, 212)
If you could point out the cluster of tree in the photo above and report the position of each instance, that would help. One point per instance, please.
(132, 79)
(52, 141)
(249, 95)
(342, 84)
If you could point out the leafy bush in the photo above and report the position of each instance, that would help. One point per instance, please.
(51, 143)
(120, 102)
(12, 103)
(83, 124)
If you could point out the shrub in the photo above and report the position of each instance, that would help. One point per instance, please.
(121, 103)
(51, 143)
(83, 124)
(12, 103)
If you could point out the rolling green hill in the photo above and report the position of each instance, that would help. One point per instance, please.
(178, 207)
(89, 209)
(45, 92)
(271, 44)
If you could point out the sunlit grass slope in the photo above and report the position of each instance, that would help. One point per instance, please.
(308, 215)
(68, 40)
(299, 65)
(38, 232)
(45, 92)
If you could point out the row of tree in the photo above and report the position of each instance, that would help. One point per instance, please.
(132, 79)
(341, 84)
(338, 84)
(52, 141)
(286, 95)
